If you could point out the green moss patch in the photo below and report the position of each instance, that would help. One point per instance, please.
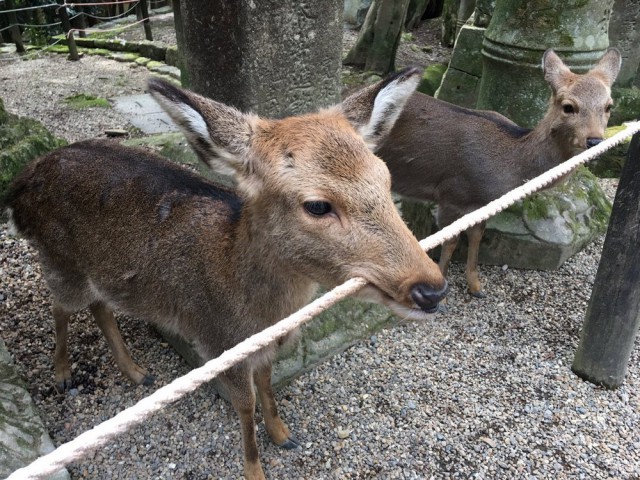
(82, 100)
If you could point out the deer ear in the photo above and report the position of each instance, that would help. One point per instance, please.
(555, 71)
(219, 134)
(609, 65)
(374, 110)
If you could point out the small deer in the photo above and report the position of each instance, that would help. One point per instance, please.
(122, 229)
(463, 159)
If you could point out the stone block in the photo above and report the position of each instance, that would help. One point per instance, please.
(172, 57)
(541, 232)
(467, 56)
(329, 333)
(23, 437)
(21, 140)
(153, 50)
(459, 88)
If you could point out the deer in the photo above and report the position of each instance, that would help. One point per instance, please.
(119, 229)
(463, 159)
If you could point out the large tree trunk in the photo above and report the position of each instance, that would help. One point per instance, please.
(379, 37)
(274, 57)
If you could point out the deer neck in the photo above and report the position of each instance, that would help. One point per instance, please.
(273, 285)
(540, 150)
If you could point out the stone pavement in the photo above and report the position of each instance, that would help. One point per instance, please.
(144, 113)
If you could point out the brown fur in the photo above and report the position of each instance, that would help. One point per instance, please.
(463, 158)
(122, 229)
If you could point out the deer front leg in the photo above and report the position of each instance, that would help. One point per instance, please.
(109, 327)
(61, 355)
(474, 234)
(276, 428)
(240, 385)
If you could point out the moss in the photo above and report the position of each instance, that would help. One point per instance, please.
(82, 100)
(536, 207)
(609, 164)
(57, 48)
(432, 78)
(154, 64)
(626, 105)
(142, 61)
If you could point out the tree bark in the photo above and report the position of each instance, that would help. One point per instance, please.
(378, 40)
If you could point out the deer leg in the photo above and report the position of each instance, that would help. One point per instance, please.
(474, 234)
(446, 252)
(107, 323)
(61, 355)
(240, 385)
(276, 428)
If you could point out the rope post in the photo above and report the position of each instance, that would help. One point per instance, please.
(66, 27)
(613, 316)
(142, 11)
(82, 20)
(16, 35)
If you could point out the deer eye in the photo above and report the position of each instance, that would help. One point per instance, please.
(317, 208)
(607, 109)
(568, 108)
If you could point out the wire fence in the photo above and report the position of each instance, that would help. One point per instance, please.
(104, 432)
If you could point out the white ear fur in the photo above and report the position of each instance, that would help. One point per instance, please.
(387, 107)
(219, 134)
(374, 110)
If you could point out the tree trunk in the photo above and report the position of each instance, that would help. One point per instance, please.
(275, 57)
(415, 12)
(379, 37)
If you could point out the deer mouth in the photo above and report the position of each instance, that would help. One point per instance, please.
(405, 310)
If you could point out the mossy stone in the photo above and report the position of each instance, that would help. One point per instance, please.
(431, 79)
(21, 140)
(609, 164)
(626, 105)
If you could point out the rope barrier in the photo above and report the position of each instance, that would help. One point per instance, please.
(92, 30)
(102, 433)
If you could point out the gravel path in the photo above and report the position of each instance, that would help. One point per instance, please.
(485, 391)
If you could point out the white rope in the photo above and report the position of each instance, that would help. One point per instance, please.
(102, 433)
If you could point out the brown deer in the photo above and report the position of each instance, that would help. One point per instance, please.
(122, 229)
(463, 159)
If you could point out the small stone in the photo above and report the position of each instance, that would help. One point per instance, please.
(343, 433)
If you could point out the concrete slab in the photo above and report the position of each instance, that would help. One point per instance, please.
(144, 113)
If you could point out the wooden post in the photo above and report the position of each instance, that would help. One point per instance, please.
(66, 27)
(142, 11)
(82, 20)
(16, 36)
(613, 316)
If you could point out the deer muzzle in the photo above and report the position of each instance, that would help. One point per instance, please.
(426, 297)
(593, 141)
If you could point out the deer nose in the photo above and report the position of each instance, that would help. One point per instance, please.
(592, 141)
(426, 297)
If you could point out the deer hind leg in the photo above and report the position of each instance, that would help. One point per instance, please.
(474, 234)
(446, 252)
(107, 323)
(240, 385)
(276, 428)
(61, 355)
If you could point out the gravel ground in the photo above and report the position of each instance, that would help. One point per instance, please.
(484, 391)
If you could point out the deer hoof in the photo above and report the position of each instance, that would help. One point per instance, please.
(443, 308)
(478, 294)
(64, 386)
(291, 443)
(148, 380)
